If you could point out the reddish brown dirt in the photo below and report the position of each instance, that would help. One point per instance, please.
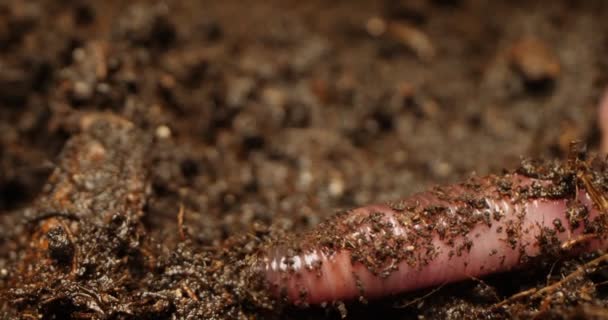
(266, 118)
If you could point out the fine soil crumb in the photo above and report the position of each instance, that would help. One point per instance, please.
(150, 149)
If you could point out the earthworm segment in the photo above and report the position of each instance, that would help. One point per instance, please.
(482, 226)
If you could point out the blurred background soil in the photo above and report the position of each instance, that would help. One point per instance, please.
(268, 116)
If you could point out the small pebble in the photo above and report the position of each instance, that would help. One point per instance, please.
(336, 187)
(534, 60)
(82, 90)
(414, 39)
(163, 132)
(375, 26)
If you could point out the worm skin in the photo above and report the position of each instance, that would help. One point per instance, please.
(447, 234)
(603, 121)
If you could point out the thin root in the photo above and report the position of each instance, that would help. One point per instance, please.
(415, 301)
(538, 293)
(579, 239)
(514, 297)
(577, 273)
(180, 222)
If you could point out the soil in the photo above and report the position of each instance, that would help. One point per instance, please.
(148, 149)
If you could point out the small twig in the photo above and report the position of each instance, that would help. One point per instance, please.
(514, 297)
(579, 239)
(189, 291)
(537, 293)
(415, 301)
(53, 214)
(180, 222)
(578, 272)
(551, 271)
(599, 199)
(150, 256)
(601, 283)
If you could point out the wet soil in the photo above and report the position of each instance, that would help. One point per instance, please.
(148, 149)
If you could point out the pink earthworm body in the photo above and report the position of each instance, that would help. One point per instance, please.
(603, 121)
(447, 234)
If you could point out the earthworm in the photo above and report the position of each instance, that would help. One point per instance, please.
(602, 116)
(482, 226)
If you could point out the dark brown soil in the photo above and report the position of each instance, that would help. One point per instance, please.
(248, 120)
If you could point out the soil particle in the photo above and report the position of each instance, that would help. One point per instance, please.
(147, 25)
(60, 247)
(413, 39)
(538, 65)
